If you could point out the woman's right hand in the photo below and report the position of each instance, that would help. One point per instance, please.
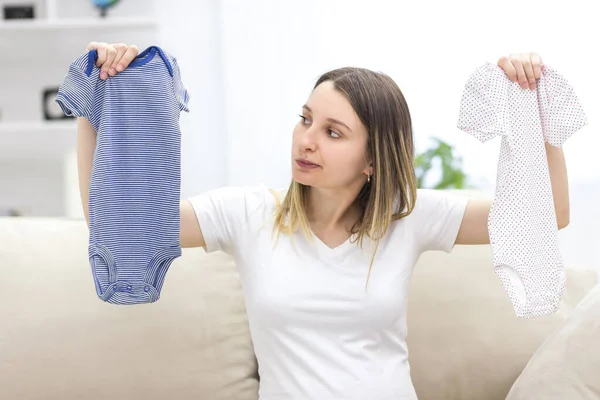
(113, 58)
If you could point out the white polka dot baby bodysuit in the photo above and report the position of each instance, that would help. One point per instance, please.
(522, 221)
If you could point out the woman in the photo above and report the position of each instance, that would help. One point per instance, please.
(325, 264)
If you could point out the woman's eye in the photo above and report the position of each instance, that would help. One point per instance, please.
(303, 118)
(330, 133)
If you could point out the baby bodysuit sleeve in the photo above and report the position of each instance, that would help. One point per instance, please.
(181, 93)
(561, 110)
(227, 214)
(76, 93)
(483, 103)
(436, 218)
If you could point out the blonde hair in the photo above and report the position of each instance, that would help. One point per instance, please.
(391, 193)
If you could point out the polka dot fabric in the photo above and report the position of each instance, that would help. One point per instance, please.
(522, 221)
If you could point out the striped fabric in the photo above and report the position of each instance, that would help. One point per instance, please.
(135, 185)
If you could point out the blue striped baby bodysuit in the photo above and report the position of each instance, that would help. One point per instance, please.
(135, 185)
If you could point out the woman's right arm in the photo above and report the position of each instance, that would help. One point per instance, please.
(113, 59)
(86, 144)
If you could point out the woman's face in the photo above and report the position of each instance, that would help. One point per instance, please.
(329, 142)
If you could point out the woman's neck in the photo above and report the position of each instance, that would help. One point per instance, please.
(331, 209)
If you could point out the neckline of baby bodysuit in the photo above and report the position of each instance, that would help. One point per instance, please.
(141, 59)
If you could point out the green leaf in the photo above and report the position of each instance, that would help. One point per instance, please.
(452, 175)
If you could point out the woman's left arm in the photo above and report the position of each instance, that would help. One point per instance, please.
(474, 225)
(560, 184)
(525, 69)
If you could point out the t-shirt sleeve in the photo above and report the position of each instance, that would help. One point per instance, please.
(227, 215)
(76, 93)
(437, 217)
(483, 103)
(561, 110)
(181, 93)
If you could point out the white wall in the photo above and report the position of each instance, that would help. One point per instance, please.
(271, 61)
(191, 31)
(249, 66)
(273, 51)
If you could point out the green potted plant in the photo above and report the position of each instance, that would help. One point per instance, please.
(452, 174)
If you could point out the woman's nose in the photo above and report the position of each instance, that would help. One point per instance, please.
(308, 140)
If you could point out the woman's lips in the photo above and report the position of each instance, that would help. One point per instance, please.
(306, 164)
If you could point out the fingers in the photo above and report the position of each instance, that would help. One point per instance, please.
(527, 63)
(100, 48)
(112, 58)
(111, 53)
(520, 65)
(537, 65)
(130, 54)
(508, 67)
(121, 49)
(525, 69)
(92, 46)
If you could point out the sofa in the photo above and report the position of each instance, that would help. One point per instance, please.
(58, 340)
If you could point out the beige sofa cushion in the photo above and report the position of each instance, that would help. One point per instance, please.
(567, 366)
(62, 342)
(464, 339)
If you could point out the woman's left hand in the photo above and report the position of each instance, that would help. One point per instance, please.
(525, 68)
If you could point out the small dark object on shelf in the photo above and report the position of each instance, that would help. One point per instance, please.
(52, 110)
(18, 12)
(11, 212)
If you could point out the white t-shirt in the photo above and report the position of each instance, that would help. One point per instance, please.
(318, 332)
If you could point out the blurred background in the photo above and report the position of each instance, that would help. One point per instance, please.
(249, 65)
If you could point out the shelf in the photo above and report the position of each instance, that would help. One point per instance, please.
(87, 23)
(37, 140)
(37, 126)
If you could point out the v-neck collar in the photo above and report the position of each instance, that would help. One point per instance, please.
(338, 253)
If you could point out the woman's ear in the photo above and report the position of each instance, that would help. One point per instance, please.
(368, 167)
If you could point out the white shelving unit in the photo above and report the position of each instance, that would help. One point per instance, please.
(35, 55)
(43, 25)
(37, 140)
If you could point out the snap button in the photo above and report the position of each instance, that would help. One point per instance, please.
(115, 287)
(146, 288)
(129, 287)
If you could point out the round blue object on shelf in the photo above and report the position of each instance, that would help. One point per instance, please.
(104, 5)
